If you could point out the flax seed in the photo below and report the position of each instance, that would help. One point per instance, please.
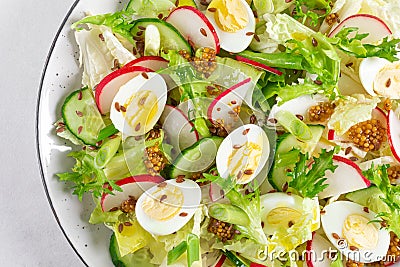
(113, 209)
(212, 9)
(180, 179)
(245, 131)
(120, 227)
(366, 209)
(248, 172)
(80, 114)
(237, 146)
(314, 42)
(161, 185)
(336, 236)
(249, 33)
(137, 128)
(141, 28)
(272, 120)
(139, 33)
(123, 108)
(183, 214)
(80, 128)
(388, 82)
(233, 102)
(160, 16)
(290, 223)
(257, 38)
(322, 212)
(60, 130)
(127, 224)
(285, 187)
(80, 95)
(144, 74)
(349, 64)
(163, 197)
(353, 248)
(300, 117)
(101, 37)
(318, 82)
(117, 107)
(203, 32)
(348, 150)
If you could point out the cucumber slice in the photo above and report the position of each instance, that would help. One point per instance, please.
(369, 197)
(277, 176)
(170, 38)
(196, 158)
(81, 116)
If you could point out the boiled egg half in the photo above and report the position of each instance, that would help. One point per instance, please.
(234, 23)
(280, 211)
(243, 153)
(349, 228)
(139, 104)
(168, 206)
(380, 77)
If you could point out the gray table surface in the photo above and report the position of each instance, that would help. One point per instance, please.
(29, 233)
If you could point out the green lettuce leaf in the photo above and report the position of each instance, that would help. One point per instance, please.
(354, 46)
(100, 216)
(86, 177)
(150, 8)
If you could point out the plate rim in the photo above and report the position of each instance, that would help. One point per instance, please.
(37, 142)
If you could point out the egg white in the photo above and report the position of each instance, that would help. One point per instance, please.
(191, 201)
(236, 137)
(333, 220)
(235, 42)
(369, 68)
(154, 83)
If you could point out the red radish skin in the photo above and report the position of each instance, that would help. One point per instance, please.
(331, 134)
(315, 249)
(152, 62)
(178, 127)
(204, 36)
(355, 166)
(143, 182)
(221, 261)
(216, 193)
(109, 85)
(253, 264)
(393, 131)
(346, 178)
(258, 65)
(366, 23)
(213, 109)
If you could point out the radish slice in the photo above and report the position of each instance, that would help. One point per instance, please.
(152, 62)
(222, 108)
(316, 247)
(365, 23)
(179, 130)
(216, 193)
(220, 261)
(109, 86)
(131, 186)
(393, 131)
(258, 65)
(346, 178)
(195, 27)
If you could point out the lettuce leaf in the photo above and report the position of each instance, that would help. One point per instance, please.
(150, 8)
(100, 216)
(288, 239)
(351, 110)
(63, 132)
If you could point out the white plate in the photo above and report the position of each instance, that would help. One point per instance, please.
(61, 75)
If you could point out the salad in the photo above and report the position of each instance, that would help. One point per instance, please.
(240, 133)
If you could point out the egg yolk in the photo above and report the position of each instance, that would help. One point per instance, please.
(230, 15)
(143, 107)
(243, 161)
(283, 216)
(163, 204)
(359, 232)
